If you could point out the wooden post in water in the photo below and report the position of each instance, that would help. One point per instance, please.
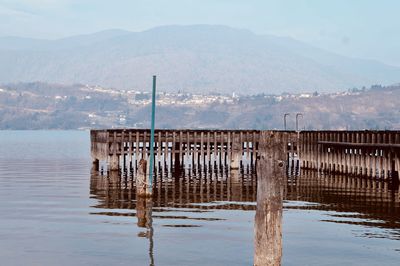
(114, 160)
(215, 150)
(137, 150)
(208, 147)
(122, 150)
(130, 151)
(194, 153)
(202, 160)
(236, 152)
(95, 164)
(268, 219)
(142, 180)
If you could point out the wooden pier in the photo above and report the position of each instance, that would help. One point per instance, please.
(122, 149)
(374, 154)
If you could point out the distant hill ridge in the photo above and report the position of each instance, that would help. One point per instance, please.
(198, 58)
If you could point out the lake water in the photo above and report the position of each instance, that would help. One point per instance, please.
(54, 212)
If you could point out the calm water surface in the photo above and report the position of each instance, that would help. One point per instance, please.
(54, 212)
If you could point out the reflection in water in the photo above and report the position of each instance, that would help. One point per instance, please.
(115, 192)
(373, 206)
(190, 191)
(144, 207)
(352, 200)
(348, 200)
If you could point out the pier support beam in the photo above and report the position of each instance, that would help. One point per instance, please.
(236, 152)
(268, 220)
(114, 162)
(95, 164)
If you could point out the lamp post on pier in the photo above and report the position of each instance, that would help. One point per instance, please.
(297, 120)
(284, 120)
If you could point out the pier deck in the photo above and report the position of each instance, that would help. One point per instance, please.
(374, 154)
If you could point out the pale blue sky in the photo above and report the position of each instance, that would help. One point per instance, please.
(359, 28)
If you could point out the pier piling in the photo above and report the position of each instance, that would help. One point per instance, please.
(268, 220)
(142, 179)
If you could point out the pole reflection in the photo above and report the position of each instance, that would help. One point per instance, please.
(144, 206)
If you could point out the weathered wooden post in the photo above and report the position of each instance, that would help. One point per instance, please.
(236, 152)
(114, 158)
(394, 174)
(177, 162)
(114, 162)
(95, 164)
(268, 219)
(142, 180)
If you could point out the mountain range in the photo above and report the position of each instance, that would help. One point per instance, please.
(197, 58)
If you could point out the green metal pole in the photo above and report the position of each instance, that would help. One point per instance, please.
(153, 116)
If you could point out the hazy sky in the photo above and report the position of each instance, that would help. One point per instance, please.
(359, 28)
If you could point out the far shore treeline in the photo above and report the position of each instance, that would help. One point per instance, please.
(53, 106)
